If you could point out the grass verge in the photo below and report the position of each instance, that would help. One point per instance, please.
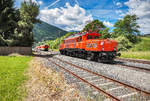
(136, 55)
(48, 85)
(144, 45)
(12, 77)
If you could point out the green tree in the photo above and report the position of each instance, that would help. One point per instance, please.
(95, 26)
(127, 26)
(2, 41)
(98, 27)
(105, 33)
(28, 17)
(8, 20)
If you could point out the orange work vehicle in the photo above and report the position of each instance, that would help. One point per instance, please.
(91, 46)
(43, 47)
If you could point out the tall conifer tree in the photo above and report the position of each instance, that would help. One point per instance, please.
(28, 17)
(7, 18)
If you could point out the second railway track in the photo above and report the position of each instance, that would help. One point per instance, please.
(111, 88)
(134, 67)
(134, 60)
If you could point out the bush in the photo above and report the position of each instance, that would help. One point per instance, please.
(123, 43)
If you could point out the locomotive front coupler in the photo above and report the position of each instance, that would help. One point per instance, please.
(118, 54)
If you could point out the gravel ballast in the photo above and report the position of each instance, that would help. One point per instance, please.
(132, 77)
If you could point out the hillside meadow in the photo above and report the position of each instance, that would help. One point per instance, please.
(139, 51)
(12, 77)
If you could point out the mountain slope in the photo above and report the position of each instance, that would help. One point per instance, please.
(44, 31)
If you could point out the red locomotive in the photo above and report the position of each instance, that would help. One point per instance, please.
(91, 46)
(43, 47)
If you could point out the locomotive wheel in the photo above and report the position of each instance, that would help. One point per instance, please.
(74, 54)
(99, 60)
(64, 52)
(85, 56)
(70, 54)
(67, 53)
(90, 56)
(77, 54)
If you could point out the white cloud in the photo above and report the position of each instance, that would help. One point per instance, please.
(40, 2)
(142, 9)
(68, 18)
(120, 18)
(119, 4)
(118, 11)
(107, 23)
(122, 14)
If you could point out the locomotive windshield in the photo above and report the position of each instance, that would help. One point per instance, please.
(92, 37)
(89, 37)
(96, 37)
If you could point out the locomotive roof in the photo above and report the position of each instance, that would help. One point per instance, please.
(75, 35)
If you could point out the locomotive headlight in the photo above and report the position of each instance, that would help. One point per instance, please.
(102, 43)
(102, 48)
(115, 49)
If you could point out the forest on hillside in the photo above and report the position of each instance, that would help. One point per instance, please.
(43, 31)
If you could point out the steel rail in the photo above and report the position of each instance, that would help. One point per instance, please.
(97, 88)
(121, 83)
(134, 67)
(134, 60)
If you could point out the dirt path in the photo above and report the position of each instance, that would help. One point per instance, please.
(45, 84)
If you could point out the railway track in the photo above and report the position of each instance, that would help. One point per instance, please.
(147, 70)
(112, 89)
(134, 60)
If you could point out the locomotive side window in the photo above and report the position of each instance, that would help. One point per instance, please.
(96, 37)
(80, 38)
(89, 37)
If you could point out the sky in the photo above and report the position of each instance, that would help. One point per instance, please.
(73, 15)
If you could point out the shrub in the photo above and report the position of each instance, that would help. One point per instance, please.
(123, 43)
